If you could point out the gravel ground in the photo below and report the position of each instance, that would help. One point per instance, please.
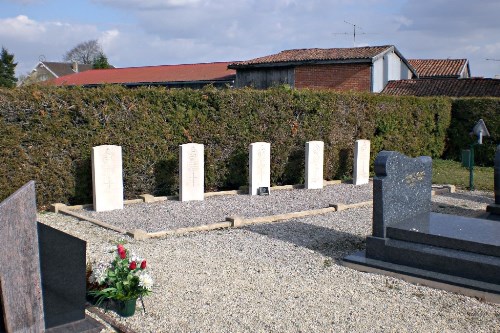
(172, 214)
(285, 276)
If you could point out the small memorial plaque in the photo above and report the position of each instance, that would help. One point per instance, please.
(263, 191)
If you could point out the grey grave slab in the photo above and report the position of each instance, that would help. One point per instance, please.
(449, 231)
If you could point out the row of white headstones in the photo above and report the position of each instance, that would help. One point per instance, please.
(107, 172)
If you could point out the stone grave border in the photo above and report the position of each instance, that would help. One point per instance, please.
(230, 221)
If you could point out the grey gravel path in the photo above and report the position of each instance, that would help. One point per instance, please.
(286, 277)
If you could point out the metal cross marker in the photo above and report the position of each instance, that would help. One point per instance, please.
(479, 130)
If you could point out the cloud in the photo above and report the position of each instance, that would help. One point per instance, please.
(148, 4)
(21, 27)
(29, 39)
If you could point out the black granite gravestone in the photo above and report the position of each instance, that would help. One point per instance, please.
(496, 175)
(408, 239)
(495, 208)
(43, 272)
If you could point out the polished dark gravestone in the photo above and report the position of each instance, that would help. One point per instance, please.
(494, 209)
(43, 272)
(411, 241)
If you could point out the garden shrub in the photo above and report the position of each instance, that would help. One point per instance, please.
(48, 133)
(465, 114)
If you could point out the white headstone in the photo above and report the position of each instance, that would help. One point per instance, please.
(260, 166)
(314, 164)
(191, 172)
(361, 172)
(107, 178)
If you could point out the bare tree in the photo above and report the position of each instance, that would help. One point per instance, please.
(85, 52)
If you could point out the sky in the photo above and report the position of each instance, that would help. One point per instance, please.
(167, 32)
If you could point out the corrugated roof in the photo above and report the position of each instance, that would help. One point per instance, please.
(315, 54)
(64, 68)
(439, 67)
(217, 71)
(471, 87)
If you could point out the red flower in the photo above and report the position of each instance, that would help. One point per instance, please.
(122, 253)
(143, 264)
(120, 248)
(133, 265)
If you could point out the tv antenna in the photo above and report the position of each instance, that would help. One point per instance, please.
(355, 27)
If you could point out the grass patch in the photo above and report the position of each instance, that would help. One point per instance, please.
(452, 172)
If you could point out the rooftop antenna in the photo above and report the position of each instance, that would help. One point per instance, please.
(354, 32)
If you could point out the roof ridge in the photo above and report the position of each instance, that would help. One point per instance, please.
(199, 63)
(337, 48)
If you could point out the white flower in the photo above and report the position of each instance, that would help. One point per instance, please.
(136, 258)
(99, 273)
(145, 280)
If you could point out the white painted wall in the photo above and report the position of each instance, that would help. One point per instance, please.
(394, 67)
(389, 67)
(378, 75)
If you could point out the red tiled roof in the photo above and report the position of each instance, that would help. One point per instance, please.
(439, 67)
(471, 87)
(306, 55)
(210, 72)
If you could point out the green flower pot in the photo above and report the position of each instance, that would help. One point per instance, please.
(125, 308)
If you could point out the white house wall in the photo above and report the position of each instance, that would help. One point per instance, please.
(388, 68)
(378, 75)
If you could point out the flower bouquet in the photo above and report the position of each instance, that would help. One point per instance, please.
(122, 281)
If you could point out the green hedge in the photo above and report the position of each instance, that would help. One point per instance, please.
(48, 133)
(465, 114)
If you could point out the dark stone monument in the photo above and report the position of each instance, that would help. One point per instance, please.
(21, 290)
(43, 272)
(494, 209)
(402, 189)
(409, 240)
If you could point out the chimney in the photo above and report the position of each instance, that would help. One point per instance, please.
(74, 67)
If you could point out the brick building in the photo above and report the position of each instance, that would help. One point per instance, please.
(357, 69)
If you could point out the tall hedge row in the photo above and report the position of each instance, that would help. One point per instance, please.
(465, 114)
(47, 134)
